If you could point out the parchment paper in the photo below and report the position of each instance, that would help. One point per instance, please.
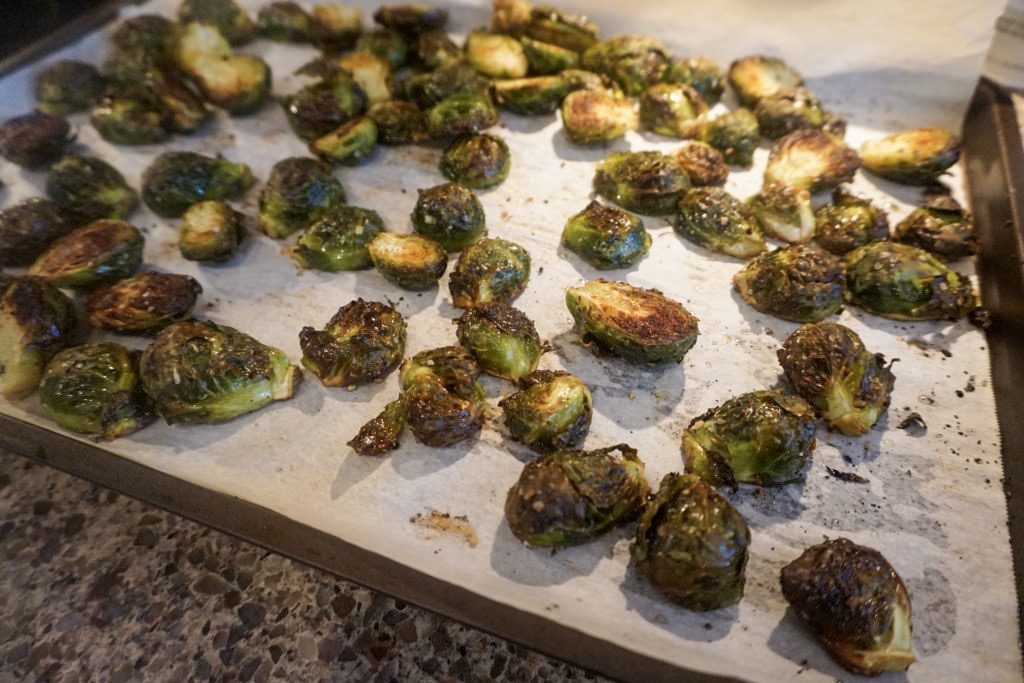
(934, 505)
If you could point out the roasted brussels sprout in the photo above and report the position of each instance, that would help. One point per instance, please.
(398, 122)
(410, 261)
(362, 342)
(239, 84)
(284, 22)
(36, 321)
(714, 219)
(650, 183)
(477, 161)
(177, 180)
(198, 372)
(735, 134)
(144, 303)
(338, 239)
(940, 226)
(510, 16)
(100, 252)
(590, 116)
(371, 73)
(88, 189)
(452, 78)
(757, 77)
(94, 389)
(606, 237)
(828, 365)
(642, 326)
(386, 44)
(691, 544)
(225, 15)
(849, 222)
(784, 212)
(335, 28)
(66, 87)
(502, 339)
(210, 231)
(411, 19)
(906, 283)
(148, 36)
(570, 497)
(571, 31)
(451, 215)
(579, 79)
(298, 192)
(700, 73)
(444, 400)
(461, 114)
(855, 604)
(811, 160)
(489, 270)
(798, 283)
(381, 434)
(34, 140)
(546, 59)
(495, 55)
(912, 157)
(788, 110)
(434, 48)
(184, 109)
(133, 117)
(349, 144)
(531, 96)
(704, 164)
(761, 437)
(26, 229)
(671, 109)
(634, 62)
(550, 412)
(320, 108)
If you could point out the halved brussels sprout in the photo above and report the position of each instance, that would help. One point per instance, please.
(477, 161)
(590, 116)
(338, 239)
(735, 134)
(700, 73)
(210, 231)
(642, 326)
(67, 86)
(284, 22)
(177, 180)
(572, 31)
(320, 108)
(334, 27)
(489, 270)
(198, 372)
(410, 261)
(691, 544)
(811, 160)
(27, 228)
(451, 215)
(634, 62)
(828, 365)
(371, 73)
(714, 219)
(435, 49)
(531, 96)
(784, 212)
(362, 342)
(849, 222)
(226, 16)
(387, 45)
(398, 122)
(298, 192)
(798, 283)
(132, 117)
(100, 252)
(185, 109)
(546, 59)
(455, 77)
(510, 16)
(606, 237)
(144, 303)
(580, 79)
(461, 114)
(756, 77)
(704, 164)
(550, 412)
(940, 226)
(495, 55)
(913, 157)
(36, 321)
(411, 19)
(788, 110)
(444, 400)
(34, 140)
(501, 338)
(349, 144)
(761, 437)
(671, 109)
(381, 434)
(94, 389)
(150, 36)
(902, 282)
(650, 182)
(855, 604)
(238, 84)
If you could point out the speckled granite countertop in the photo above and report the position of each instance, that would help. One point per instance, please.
(96, 586)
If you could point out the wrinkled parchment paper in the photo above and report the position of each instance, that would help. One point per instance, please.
(933, 505)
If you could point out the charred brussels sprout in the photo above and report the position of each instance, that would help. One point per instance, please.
(237, 83)
(606, 237)
(334, 28)
(26, 229)
(36, 320)
(532, 96)
(387, 45)
(510, 16)
(634, 62)
(210, 231)
(444, 400)
(320, 108)
(451, 215)
(571, 31)
(590, 116)
(398, 122)
(177, 180)
(762, 437)
(757, 77)
(434, 48)
(66, 87)
(704, 164)
(642, 326)
(150, 36)
(198, 372)
(225, 15)
(545, 58)
(184, 109)
(789, 110)
(144, 303)
(902, 282)
(798, 283)
(784, 212)
(502, 339)
(691, 544)
(495, 55)
(338, 239)
(411, 19)
(94, 389)
(855, 604)
(650, 183)
(811, 160)
(349, 144)
(299, 191)
(371, 73)
(700, 73)
(671, 109)
(381, 434)
(912, 157)
(363, 342)
(849, 222)
(453, 78)
(828, 365)
(479, 161)
(284, 22)
(714, 219)
(461, 114)
(489, 270)
(550, 412)
(134, 117)
(940, 226)
(410, 261)
(100, 252)
(34, 140)
(735, 134)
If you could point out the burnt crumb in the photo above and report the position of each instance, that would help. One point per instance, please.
(946, 353)
(846, 476)
(959, 393)
(980, 318)
(970, 385)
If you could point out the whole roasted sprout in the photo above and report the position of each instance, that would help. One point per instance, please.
(198, 372)
(550, 412)
(491, 269)
(606, 237)
(144, 303)
(411, 19)
(461, 114)
(757, 77)
(700, 73)
(691, 544)
(634, 62)
(735, 134)
(298, 192)
(855, 604)
(453, 78)
(495, 55)
(704, 164)
(451, 215)
(591, 116)
(100, 252)
(410, 261)
(434, 48)
(510, 16)
(545, 58)
(210, 231)
(714, 219)
(789, 110)
(94, 389)
(225, 15)
(239, 84)
(371, 73)
(338, 239)
(761, 437)
(147, 36)
(912, 157)
(532, 96)
(642, 326)
(477, 161)
(34, 140)
(940, 226)
(320, 108)
(811, 160)
(349, 144)
(334, 28)
(133, 117)
(571, 31)
(362, 342)
(849, 222)
(671, 109)
(828, 365)
(798, 283)
(389, 45)
(906, 283)
(398, 122)
(570, 497)
(27, 228)
(444, 400)
(177, 180)
(284, 22)
(36, 321)
(67, 86)
(502, 339)
(650, 183)
(784, 212)
(381, 434)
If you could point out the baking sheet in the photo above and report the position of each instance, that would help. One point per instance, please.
(930, 498)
